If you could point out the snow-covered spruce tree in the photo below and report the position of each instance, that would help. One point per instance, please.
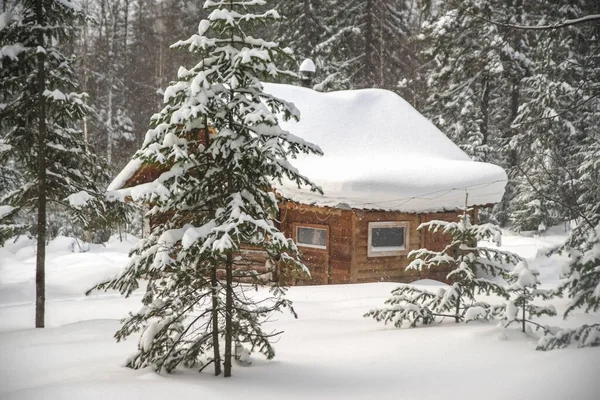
(582, 285)
(311, 29)
(557, 114)
(374, 53)
(524, 285)
(218, 137)
(39, 113)
(561, 114)
(467, 261)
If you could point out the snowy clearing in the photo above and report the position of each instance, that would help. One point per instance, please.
(331, 351)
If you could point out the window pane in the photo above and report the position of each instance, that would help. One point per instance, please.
(387, 237)
(312, 236)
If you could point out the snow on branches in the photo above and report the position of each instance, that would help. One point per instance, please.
(582, 285)
(524, 284)
(219, 143)
(470, 270)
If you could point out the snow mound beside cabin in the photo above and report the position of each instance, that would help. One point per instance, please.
(381, 153)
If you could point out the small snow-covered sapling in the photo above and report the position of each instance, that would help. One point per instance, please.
(524, 289)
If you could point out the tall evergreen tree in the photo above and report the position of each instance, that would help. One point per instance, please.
(309, 28)
(218, 137)
(40, 111)
(376, 52)
(474, 75)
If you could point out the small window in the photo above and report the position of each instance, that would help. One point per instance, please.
(388, 238)
(311, 237)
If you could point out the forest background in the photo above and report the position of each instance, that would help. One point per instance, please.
(525, 99)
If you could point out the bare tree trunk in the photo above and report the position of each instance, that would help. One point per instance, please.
(40, 272)
(485, 112)
(381, 48)
(111, 54)
(109, 130)
(369, 53)
(524, 304)
(213, 277)
(228, 313)
(215, 320)
(85, 80)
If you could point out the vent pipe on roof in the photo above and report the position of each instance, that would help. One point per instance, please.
(307, 72)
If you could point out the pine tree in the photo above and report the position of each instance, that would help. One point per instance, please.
(376, 53)
(467, 262)
(310, 28)
(555, 118)
(475, 73)
(524, 284)
(582, 284)
(219, 141)
(40, 112)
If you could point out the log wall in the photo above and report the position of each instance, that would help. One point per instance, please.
(330, 265)
(346, 258)
(383, 268)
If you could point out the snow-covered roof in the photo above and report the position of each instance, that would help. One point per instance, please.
(380, 153)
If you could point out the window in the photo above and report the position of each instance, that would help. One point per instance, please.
(309, 236)
(388, 238)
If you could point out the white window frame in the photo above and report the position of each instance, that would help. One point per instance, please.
(388, 224)
(308, 226)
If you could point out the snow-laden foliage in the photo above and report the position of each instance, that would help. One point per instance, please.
(556, 120)
(473, 65)
(8, 227)
(39, 117)
(583, 336)
(524, 289)
(220, 147)
(354, 43)
(582, 286)
(471, 269)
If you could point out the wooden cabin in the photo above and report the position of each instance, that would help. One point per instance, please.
(386, 170)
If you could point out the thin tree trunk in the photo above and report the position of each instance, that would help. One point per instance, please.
(485, 116)
(109, 130)
(85, 80)
(111, 54)
(369, 45)
(213, 278)
(457, 313)
(215, 320)
(524, 303)
(40, 273)
(228, 313)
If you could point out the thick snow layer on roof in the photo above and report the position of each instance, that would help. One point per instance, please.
(380, 153)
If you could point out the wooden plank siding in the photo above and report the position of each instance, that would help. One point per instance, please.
(330, 265)
(346, 259)
(387, 268)
(393, 268)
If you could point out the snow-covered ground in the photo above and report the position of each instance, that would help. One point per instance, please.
(331, 351)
